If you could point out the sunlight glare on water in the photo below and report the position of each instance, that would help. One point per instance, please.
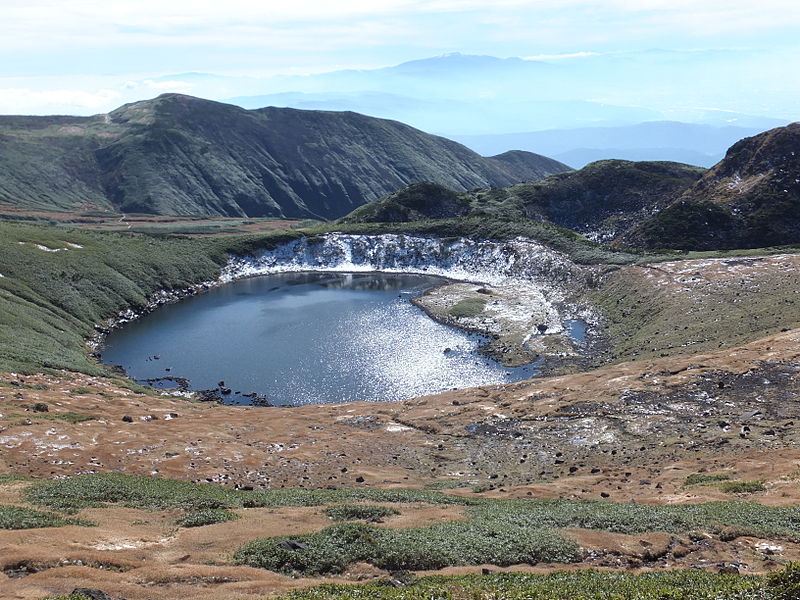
(305, 338)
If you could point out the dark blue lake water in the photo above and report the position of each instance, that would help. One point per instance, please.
(305, 338)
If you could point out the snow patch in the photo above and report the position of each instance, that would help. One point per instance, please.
(47, 248)
(395, 427)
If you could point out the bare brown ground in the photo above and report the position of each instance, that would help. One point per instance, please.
(627, 432)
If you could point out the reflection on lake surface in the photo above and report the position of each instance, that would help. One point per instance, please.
(302, 338)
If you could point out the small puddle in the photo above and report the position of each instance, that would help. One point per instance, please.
(576, 330)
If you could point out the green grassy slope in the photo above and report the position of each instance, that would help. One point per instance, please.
(48, 163)
(51, 299)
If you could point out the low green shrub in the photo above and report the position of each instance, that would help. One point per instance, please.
(17, 517)
(13, 477)
(785, 584)
(209, 516)
(562, 585)
(745, 518)
(743, 487)
(467, 308)
(82, 491)
(700, 479)
(79, 391)
(136, 491)
(456, 543)
(359, 512)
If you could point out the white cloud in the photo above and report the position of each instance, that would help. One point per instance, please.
(20, 101)
(169, 86)
(561, 56)
(98, 22)
(139, 41)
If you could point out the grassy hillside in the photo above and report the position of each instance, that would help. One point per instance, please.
(48, 163)
(179, 155)
(57, 283)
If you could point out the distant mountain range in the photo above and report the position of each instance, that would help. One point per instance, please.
(180, 155)
(576, 110)
(460, 115)
(690, 143)
(490, 95)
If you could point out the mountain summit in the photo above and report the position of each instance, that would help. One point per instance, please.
(180, 155)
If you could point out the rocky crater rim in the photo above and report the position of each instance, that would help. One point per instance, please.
(547, 277)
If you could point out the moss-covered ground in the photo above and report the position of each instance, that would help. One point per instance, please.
(501, 532)
(571, 585)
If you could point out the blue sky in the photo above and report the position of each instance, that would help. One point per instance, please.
(88, 56)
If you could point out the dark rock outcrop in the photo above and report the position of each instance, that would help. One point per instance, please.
(750, 199)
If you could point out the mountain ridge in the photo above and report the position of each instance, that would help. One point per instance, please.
(181, 155)
(750, 199)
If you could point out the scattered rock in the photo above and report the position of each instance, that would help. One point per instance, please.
(292, 545)
(728, 569)
(91, 593)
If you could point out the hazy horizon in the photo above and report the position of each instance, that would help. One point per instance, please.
(88, 57)
(456, 68)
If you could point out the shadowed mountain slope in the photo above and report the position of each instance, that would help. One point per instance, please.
(600, 200)
(750, 199)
